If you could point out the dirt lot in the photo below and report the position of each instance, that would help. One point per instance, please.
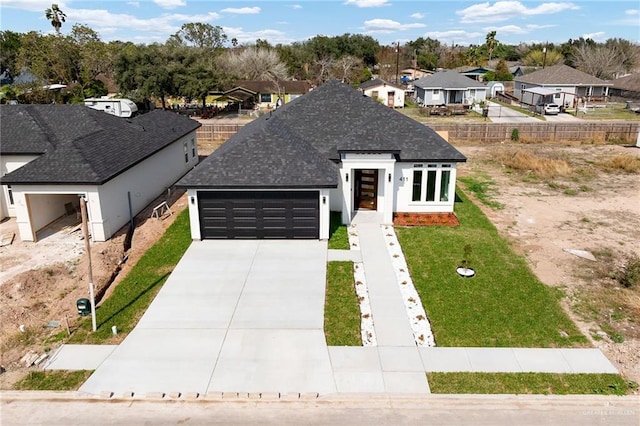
(40, 282)
(585, 204)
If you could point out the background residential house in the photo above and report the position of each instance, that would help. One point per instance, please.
(389, 94)
(332, 149)
(265, 94)
(560, 84)
(627, 87)
(448, 87)
(52, 154)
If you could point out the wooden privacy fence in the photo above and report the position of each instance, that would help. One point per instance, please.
(210, 136)
(579, 131)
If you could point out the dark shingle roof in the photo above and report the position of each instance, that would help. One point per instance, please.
(447, 79)
(80, 145)
(299, 143)
(377, 82)
(561, 75)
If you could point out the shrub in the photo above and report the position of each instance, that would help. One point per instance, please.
(515, 135)
(629, 276)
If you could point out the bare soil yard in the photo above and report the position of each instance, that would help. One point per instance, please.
(551, 198)
(40, 282)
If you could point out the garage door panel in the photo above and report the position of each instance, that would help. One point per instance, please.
(268, 214)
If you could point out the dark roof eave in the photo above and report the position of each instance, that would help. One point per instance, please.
(432, 160)
(261, 187)
(368, 151)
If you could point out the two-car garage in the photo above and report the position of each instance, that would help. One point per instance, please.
(259, 214)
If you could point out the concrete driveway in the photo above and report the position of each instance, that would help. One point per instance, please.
(241, 316)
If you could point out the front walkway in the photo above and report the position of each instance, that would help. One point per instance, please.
(247, 316)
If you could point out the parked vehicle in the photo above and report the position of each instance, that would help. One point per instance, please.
(118, 107)
(548, 109)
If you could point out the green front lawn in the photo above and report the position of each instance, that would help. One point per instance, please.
(504, 305)
(528, 383)
(338, 237)
(132, 296)
(341, 308)
(62, 380)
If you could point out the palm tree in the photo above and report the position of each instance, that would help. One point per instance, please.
(491, 43)
(56, 16)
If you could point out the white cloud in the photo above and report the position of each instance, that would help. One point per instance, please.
(455, 36)
(388, 26)
(632, 12)
(417, 15)
(296, 6)
(31, 5)
(597, 36)
(242, 10)
(272, 36)
(134, 3)
(504, 10)
(368, 3)
(165, 24)
(514, 29)
(170, 4)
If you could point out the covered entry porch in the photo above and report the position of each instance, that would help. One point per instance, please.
(367, 185)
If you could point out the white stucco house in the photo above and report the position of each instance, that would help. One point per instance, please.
(389, 94)
(332, 149)
(448, 88)
(53, 154)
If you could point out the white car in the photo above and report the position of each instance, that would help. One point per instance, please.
(548, 109)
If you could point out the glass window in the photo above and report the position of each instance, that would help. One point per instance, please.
(436, 91)
(186, 152)
(265, 97)
(10, 193)
(193, 147)
(417, 185)
(444, 185)
(431, 185)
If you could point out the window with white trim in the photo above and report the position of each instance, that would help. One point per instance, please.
(265, 97)
(186, 151)
(432, 185)
(193, 147)
(10, 194)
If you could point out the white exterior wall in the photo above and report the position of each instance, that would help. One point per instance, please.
(384, 163)
(403, 190)
(29, 198)
(383, 90)
(144, 182)
(9, 163)
(567, 93)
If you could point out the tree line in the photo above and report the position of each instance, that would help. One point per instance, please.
(200, 58)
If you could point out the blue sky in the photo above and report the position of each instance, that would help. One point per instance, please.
(388, 21)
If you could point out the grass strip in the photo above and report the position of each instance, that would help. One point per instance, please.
(504, 305)
(132, 296)
(341, 308)
(528, 383)
(338, 237)
(62, 380)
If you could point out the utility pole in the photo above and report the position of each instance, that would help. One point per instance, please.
(397, 61)
(85, 233)
(544, 56)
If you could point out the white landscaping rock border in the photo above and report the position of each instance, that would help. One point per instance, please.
(417, 316)
(367, 331)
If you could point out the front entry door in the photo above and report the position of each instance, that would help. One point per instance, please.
(366, 189)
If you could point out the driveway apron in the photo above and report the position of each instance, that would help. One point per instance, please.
(241, 316)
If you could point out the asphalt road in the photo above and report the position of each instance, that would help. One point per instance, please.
(50, 408)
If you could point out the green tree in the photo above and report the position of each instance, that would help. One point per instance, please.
(197, 34)
(491, 43)
(10, 43)
(536, 58)
(56, 17)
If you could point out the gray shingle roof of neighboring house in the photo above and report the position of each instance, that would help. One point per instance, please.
(377, 82)
(80, 145)
(629, 82)
(561, 75)
(298, 144)
(447, 79)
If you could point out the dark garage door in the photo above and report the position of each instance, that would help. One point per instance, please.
(268, 214)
